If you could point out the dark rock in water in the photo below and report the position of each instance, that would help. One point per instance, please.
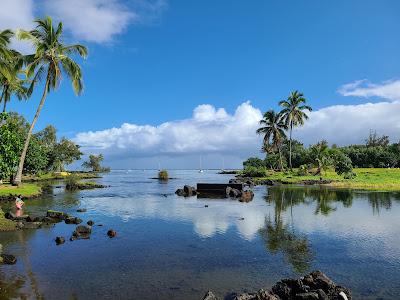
(32, 218)
(56, 215)
(81, 210)
(49, 220)
(234, 193)
(242, 180)
(180, 192)
(187, 191)
(8, 259)
(111, 233)
(246, 196)
(81, 232)
(100, 225)
(90, 223)
(314, 286)
(206, 205)
(73, 220)
(32, 225)
(14, 217)
(210, 296)
(60, 240)
(267, 182)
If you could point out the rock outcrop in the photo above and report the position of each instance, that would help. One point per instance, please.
(187, 191)
(314, 286)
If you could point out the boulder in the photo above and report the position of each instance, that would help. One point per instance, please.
(56, 215)
(90, 223)
(187, 191)
(81, 232)
(32, 225)
(282, 290)
(8, 259)
(234, 193)
(81, 210)
(60, 240)
(180, 192)
(307, 296)
(73, 220)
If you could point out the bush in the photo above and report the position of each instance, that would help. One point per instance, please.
(163, 175)
(254, 162)
(255, 172)
(350, 175)
(72, 182)
(303, 170)
(343, 165)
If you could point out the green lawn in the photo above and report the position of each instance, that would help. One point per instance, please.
(26, 190)
(59, 175)
(368, 179)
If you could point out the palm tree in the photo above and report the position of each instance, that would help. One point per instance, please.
(51, 58)
(273, 128)
(5, 37)
(293, 112)
(10, 80)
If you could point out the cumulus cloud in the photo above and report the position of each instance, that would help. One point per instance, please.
(389, 90)
(92, 20)
(214, 131)
(209, 130)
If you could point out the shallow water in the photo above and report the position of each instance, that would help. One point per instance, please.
(170, 247)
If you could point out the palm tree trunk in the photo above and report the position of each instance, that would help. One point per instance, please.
(290, 146)
(18, 177)
(280, 158)
(3, 96)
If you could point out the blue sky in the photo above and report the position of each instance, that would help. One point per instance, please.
(153, 62)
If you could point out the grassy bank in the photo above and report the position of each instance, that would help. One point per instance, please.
(366, 179)
(26, 190)
(59, 175)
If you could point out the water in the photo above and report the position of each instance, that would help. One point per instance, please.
(170, 247)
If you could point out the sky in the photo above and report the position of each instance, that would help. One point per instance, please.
(170, 81)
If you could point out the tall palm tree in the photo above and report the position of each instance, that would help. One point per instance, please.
(5, 38)
(51, 58)
(273, 128)
(10, 79)
(293, 112)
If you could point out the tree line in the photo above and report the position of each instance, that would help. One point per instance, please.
(283, 152)
(20, 75)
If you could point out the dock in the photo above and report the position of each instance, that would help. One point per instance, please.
(216, 189)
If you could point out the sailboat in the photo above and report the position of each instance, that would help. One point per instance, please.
(201, 169)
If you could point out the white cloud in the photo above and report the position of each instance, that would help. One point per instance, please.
(214, 131)
(92, 20)
(389, 90)
(209, 130)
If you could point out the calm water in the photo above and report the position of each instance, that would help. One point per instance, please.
(175, 248)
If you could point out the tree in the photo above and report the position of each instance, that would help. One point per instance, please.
(254, 162)
(5, 38)
(63, 153)
(320, 154)
(94, 163)
(273, 128)
(51, 58)
(11, 141)
(12, 84)
(374, 140)
(294, 115)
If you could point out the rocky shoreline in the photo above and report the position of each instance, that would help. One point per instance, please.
(314, 286)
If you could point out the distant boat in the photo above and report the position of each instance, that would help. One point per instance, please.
(201, 169)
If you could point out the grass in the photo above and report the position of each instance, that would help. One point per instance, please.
(26, 190)
(366, 179)
(59, 175)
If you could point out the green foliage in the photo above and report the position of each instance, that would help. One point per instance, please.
(302, 170)
(343, 165)
(251, 171)
(272, 161)
(36, 157)
(72, 182)
(163, 175)
(63, 153)
(254, 162)
(94, 163)
(11, 141)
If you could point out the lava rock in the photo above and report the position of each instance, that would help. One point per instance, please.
(8, 259)
(81, 210)
(180, 192)
(73, 220)
(111, 233)
(246, 196)
(81, 232)
(210, 296)
(32, 225)
(56, 215)
(307, 296)
(90, 223)
(60, 240)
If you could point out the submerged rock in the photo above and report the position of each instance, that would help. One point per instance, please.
(247, 196)
(90, 223)
(81, 232)
(73, 220)
(111, 233)
(56, 215)
(60, 240)
(8, 259)
(81, 210)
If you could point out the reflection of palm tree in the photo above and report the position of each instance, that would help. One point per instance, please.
(378, 201)
(295, 248)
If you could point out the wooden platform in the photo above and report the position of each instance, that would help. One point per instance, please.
(216, 189)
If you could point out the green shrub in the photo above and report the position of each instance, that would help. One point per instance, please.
(163, 175)
(343, 165)
(255, 172)
(350, 175)
(72, 182)
(303, 170)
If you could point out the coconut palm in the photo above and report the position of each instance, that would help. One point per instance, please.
(10, 79)
(273, 128)
(294, 115)
(51, 59)
(5, 37)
